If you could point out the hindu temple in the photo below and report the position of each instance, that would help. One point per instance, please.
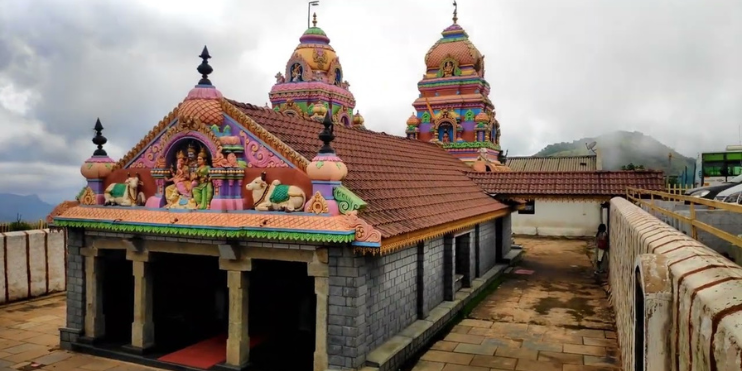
(239, 237)
(453, 108)
(313, 82)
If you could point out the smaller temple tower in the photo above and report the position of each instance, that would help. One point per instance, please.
(453, 108)
(313, 81)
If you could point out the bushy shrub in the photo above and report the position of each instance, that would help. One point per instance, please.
(19, 225)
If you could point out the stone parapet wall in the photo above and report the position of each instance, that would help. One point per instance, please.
(704, 315)
(32, 263)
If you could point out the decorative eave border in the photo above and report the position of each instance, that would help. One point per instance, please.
(556, 198)
(399, 242)
(210, 231)
(261, 133)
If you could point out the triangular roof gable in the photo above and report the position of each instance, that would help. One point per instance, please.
(262, 149)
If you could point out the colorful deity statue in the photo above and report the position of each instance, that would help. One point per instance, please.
(181, 179)
(192, 187)
(203, 189)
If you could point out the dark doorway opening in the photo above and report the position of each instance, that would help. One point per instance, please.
(118, 297)
(190, 300)
(282, 316)
(638, 322)
(463, 262)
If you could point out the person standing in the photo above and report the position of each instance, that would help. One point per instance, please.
(601, 249)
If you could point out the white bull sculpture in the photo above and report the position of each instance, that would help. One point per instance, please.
(275, 196)
(126, 193)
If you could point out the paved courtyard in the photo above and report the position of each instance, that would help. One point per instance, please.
(29, 340)
(548, 315)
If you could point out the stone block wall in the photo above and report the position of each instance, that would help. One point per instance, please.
(347, 318)
(507, 234)
(32, 264)
(392, 286)
(75, 289)
(430, 275)
(706, 310)
(487, 246)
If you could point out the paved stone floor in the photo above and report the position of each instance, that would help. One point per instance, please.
(29, 340)
(556, 318)
(549, 314)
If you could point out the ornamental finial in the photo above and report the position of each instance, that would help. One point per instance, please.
(328, 134)
(314, 20)
(455, 11)
(99, 139)
(204, 69)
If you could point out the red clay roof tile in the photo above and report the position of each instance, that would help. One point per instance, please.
(408, 185)
(568, 183)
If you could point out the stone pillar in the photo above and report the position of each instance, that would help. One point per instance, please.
(238, 282)
(449, 268)
(95, 325)
(319, 269)
(75, 289)
(143, 327)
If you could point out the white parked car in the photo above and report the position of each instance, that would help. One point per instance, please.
(731, 195)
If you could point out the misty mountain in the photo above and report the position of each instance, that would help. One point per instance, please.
(30, 208)
(620, 148)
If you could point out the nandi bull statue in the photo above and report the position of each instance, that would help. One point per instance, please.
(275, 196)
(126, 193)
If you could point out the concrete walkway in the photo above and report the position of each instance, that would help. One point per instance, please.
(549, 314)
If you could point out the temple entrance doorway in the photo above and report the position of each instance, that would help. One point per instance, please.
(118, 297)
(282, 316)
(190, 310)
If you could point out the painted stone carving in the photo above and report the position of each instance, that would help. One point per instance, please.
(259, 156)
(347, 200)
(317, 204)
(297, 73)
(125, 194)
(192, 187)
(279, 78)
(275, 196)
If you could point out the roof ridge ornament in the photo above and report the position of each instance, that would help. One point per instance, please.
(328, 134)
(99, 139)
(455, 12)
(204, 68)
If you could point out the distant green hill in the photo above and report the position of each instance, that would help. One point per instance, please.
(621, 148)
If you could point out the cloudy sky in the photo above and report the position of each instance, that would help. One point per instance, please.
(559, 70)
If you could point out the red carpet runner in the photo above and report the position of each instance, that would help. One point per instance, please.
(205, 354)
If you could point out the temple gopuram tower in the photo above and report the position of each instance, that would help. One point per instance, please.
(313, 81)
(453, 107)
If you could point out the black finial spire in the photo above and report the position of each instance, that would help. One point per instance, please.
(455, 11)
(328, 134)
(99, 139)
(204, 69)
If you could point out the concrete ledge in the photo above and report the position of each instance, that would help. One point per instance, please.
(703, 308)
(396, 351)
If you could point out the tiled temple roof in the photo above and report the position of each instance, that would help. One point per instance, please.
(566, 163)
(567, 183)
(408, 185)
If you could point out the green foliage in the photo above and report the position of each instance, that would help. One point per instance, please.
(19, 225)
(620, 149)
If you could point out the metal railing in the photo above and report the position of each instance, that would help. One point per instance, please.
(39, 224)
(647, 198)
